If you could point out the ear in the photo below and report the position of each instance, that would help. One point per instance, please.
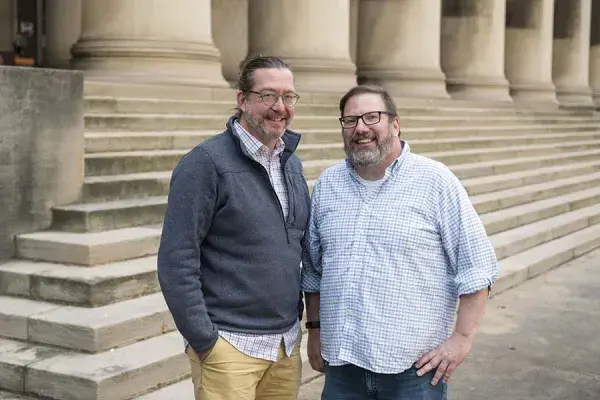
(241, 100)
(396, 124)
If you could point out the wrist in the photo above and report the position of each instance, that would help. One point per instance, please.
(311, 325)
(465, 336)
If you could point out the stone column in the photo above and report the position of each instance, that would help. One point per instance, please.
(473, 49)
(7, 13)
(148, 41)
(595, 52)
(571, 56)
(528, 50)
(312, 36)
(399, 47)
(230, 31)
(63, 27)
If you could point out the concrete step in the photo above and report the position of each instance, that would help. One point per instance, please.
(520, 267)
(81, 286)
(501, 199)
(88, 249)
(4, 395)
(120, 374)
(515, 164)
(486, 184)
(216, 122)
(101, 216)
(94, 217)
(108, 104)
(512, 217)
(116, 163)
(113, 105)
(97, 142)
(100, 141)
(91, 330)
(131, 162)
(118, 187)
(152, 122)
(525, 237)
(313, 169)
(336, 151)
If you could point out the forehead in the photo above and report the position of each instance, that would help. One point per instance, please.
(275, 79)
(364, 103)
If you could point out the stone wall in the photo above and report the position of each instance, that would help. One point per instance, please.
(41, 148)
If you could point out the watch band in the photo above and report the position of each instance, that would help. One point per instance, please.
(313, 325)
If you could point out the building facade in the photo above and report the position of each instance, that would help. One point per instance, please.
(523, 50)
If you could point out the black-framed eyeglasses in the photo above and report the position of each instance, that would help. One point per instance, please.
(270, 98)
(370, 118)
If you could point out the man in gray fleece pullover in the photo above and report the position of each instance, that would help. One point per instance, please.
(230, 251)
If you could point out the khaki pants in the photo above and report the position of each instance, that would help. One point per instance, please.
(228, 374)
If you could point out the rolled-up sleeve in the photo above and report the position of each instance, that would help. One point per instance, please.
(470, 252)
(311, 248)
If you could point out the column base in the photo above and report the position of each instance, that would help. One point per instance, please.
(597, 100)
(533, 92)
(322, 75)
(149, 61)
(430, 84)
(575, 97)
(478, 88)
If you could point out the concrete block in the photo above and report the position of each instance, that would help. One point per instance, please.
(102, 328)
(14, 359)
(112, 375)
(89, 248)
(83, 286)
(15, 313)
(41, 147)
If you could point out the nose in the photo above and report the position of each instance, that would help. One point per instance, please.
(361, 126)
(279, 106)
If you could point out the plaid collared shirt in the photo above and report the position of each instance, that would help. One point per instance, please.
(265, 346)
(391, 262)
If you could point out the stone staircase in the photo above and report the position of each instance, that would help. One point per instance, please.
(81, 314)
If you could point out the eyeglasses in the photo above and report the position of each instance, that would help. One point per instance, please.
(289, 99)
(370, 118)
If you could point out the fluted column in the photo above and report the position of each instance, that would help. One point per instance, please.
(230, 32)
(312, 36)
(63, 27)
(399, 47)
(595, 52)
(571, 56)
(473, 49)
(149, 41)
(528, 51)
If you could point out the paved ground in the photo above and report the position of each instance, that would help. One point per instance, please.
(538, 341)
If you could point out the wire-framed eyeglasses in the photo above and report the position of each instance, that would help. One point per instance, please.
(270, 98)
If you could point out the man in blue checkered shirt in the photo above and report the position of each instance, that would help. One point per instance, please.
(392, 247)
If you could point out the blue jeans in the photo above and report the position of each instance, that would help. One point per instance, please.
(349, 382)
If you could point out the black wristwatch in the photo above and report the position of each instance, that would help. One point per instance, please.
(313, 325)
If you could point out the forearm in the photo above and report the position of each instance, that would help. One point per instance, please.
(470, 312)
(313, 301)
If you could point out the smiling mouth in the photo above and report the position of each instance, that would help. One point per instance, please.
(364, 141)
(275, 119)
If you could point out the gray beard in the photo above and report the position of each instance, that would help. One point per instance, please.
(369, 158)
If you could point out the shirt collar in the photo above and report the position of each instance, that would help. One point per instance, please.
(254, 146)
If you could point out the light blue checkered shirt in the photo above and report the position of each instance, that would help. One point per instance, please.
(390, 263)
(265, 346)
